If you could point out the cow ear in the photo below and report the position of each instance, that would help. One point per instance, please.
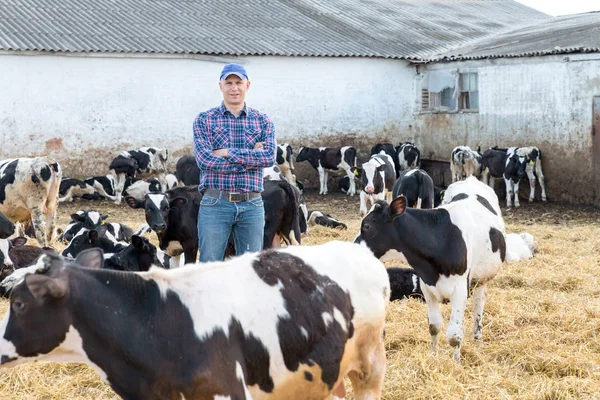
(398, 206)
(91, 258)
(381, 168)
(42, 285)
(137, 242)
(135, 203)
(76, 218)
(18, 241)
(178, 202)
(103, 217)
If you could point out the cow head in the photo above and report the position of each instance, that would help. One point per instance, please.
(515, 167)
(377, 230)
(140, 255)
(7, 228)
(89, 218)
(303, 154)
(372, 176)
(157, 206)
(83, 240)
(38, 321)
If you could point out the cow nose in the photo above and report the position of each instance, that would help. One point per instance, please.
(369, 189)
(159, 227)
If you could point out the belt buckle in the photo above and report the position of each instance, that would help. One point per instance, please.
(231, 197)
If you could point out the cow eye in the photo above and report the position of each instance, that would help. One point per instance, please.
(18, 305)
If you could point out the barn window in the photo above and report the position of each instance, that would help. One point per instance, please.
(438, 91)
(469, 91)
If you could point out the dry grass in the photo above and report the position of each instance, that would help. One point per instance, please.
(541, 324)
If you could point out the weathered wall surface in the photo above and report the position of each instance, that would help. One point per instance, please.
(543, 101)
(83, 110)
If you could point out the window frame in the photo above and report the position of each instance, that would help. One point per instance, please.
(425, 105)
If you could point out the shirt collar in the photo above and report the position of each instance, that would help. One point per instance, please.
(224, 110)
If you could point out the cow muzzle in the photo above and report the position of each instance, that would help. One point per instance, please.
(370, 189)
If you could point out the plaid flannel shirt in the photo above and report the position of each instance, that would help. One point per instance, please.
(242, 170)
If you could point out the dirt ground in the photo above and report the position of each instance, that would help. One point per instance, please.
(541, 323)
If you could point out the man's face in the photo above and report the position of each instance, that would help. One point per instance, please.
(234, 89)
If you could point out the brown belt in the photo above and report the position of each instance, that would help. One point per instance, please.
(231, 196)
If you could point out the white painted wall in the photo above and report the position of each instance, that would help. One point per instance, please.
(83, 108)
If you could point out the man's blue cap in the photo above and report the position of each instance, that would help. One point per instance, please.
(236, 69)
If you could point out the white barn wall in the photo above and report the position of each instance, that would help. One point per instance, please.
(541, 101)
(85, 109)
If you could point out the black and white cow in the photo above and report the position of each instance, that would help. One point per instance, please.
(7, 228)
(317, 315)
(377, 180)
(187, 171)
(140, 188)
(324, 159)
(282, 218)
(453, 248)
(438, 195)
(145, 162)
(93, 238)
(284, 161)
(140, 255)
(417, 186)
(506, 164)
(29, 193)
(71, 188)
(390, 150)
(320, 218)
(409, 156)
(105, 186)
(404, 283)
(90, 219)
(465, 162)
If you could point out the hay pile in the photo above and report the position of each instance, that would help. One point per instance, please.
(541, 336)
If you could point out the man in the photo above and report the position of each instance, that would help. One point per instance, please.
(233, 143)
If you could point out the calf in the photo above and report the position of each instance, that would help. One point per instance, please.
(90, 219)
(145, 162)
(187, 171)
(453, 248)
(282, 219)
(284, 161)
(71, 188)
(408, 156)
(533, 158)
(377, 179)
(465, 162)
(334, 158)
(317, 315)
(29, 192)
(418, 188)
(390, 150)
(404, 283)
(509, 165)
(520, 246)
(93, 238)
(21, 255)
(104, 186)
(140, 188)
(319, 218)
(140, 255)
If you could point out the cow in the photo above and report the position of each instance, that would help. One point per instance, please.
(324, 159)
(417, 186)
(282, 218)
(283, 160)
(29, 193)
(140, 255)
(465, 162)
(93, 238)
(316, 315)
(7, 228)
(508, 164)
(377, 179)
(71, 188)
(90, 219)
(438, 195)
(319, 218)
(520, 246)
(145, 162)
(140, 188)
(104, 187)
(404, 283)
(172, 182)
(187, 171)
(457, 247)
(408, 156)
(390, 150)
(21, 255)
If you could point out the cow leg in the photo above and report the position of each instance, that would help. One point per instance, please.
(433, 314)
(50, 221)
(119, 187)
(478, 304)
(531, 176)
(509, 192)
(454, 332)
(540, 175)
(39, 225)
(326, 176)
(363, 203)
(367, 382)
(516, 185)
(321, 179)
(100, 189)
(350, 175)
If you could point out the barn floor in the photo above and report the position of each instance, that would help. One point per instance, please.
(541, 323)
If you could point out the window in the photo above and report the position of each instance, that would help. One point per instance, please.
(469, 91)
(438, 91)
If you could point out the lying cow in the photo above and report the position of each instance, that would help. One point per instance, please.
(187, 171)
(71, 188)
(140, 255)
(417, 186)
(319, 218)
(454, 247)
(29, 193)
(408, 155)
(377, 179)
(317, 314)
(93, 238)
(465, 162)
(324, 159)
(520, 246)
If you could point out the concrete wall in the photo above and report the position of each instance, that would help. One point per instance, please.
(84, 109)
(541, 101)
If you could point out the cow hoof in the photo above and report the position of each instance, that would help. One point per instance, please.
(543, 199)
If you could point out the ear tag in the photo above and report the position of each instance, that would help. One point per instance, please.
(356, 172)
(531, 162)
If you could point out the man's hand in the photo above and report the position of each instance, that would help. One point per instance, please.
(259, 145)
(221, 152)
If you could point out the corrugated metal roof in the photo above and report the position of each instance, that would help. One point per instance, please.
(411, 29)
(579, 33)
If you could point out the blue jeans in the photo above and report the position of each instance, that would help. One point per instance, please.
(218, 218)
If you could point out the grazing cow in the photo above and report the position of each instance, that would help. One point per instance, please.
(390, 150)
(317, 315)
(71, 188)
(404, 283)
(93, 238)
(145, 162)
(453, 248)
(29, 192)
(284, 161)
(465, 162)
(408, 156)
(377, 179)
(334, 158)
(187, 171)
(418, 188)
(506, 164)
(319, 218)
(520, 246)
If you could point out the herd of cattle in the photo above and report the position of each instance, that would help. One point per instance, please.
(285, 323)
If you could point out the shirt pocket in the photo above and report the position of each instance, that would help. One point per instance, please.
(220, 138)
(252, 137)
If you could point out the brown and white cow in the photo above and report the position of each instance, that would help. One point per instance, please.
(29, 193)
(278, 324)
